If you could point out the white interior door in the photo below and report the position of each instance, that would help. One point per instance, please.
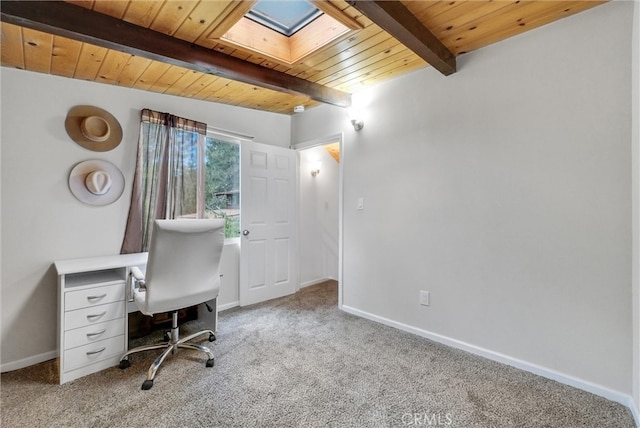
(268, 265)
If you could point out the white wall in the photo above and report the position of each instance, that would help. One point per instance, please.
(504, 191)
(636, 207)
(318, 219)
(42, 221)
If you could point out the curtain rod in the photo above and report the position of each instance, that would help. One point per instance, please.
(228, 133)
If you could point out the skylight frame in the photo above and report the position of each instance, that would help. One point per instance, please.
(263, 45)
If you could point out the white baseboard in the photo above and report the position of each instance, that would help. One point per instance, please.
(228, 306)
(593, 388)
(29, 361)
(314, 282)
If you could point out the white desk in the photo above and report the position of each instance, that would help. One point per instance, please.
(93, 301)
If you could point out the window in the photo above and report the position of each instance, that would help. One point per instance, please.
(222, 182)
(182, 171)
(284, 17)
(283, 31)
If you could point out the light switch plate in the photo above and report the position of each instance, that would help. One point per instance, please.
(424, 298)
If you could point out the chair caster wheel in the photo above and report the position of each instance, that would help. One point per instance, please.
(147, 384)
(210, 362)
(124, 364)
(212, 337)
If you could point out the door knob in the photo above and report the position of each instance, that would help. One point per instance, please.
(245, 232)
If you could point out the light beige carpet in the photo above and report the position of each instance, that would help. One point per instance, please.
(298, 361)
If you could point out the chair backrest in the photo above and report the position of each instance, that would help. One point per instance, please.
(183, 268)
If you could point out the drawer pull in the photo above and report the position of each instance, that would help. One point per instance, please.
(92, 317)
(92, 298)
(95, 352)
(90, 335)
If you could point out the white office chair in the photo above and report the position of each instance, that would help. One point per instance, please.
(182, 271)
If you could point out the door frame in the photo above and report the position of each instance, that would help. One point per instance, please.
(339, 137)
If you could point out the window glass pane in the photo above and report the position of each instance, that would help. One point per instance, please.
(222, 183)
(284, 16)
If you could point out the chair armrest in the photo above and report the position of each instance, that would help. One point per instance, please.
(138, 277)
(137, 273)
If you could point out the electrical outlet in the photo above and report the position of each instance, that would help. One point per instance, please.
(424, 298)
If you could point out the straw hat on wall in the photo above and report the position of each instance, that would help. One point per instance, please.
(96, 182)
(93, 128)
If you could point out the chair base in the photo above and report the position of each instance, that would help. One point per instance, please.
(170, 347)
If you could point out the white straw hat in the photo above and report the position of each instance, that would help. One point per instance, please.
(96, 182)
(93, 128)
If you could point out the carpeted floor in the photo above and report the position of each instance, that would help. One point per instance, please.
(298, 361)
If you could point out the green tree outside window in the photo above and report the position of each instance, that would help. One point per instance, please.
(222, 183)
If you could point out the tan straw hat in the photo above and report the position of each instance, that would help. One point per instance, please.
(93, 128)
(96, 182)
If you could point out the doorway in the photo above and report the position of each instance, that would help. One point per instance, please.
(320, 211)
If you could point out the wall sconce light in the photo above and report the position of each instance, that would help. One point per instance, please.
(358, 124)
(315, 169)
(356, 120)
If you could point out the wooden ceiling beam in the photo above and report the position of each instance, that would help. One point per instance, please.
(400, 23)
(74, 22)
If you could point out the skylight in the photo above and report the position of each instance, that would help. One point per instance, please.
(284, 16)
(282, 32)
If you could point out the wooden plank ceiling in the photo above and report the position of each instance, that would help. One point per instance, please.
(362, 56)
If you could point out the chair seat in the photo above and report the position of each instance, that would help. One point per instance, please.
(150, 309)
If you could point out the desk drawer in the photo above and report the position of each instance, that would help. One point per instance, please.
(93, 315)
(93, 333)
(93, 352)
(93, 296)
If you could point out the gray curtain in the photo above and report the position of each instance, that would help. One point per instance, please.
(168, 179)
